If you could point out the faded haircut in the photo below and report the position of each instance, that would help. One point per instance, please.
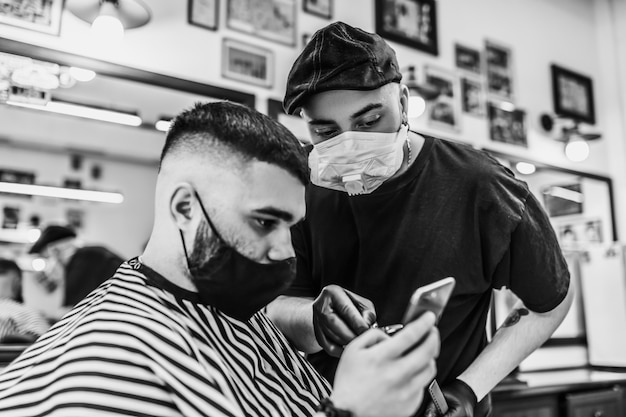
(239, 129)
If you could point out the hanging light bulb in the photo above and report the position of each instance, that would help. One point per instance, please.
(417, 106)
(576, 149)
(110, 18)
(418, 94)
(525, 168)
(108, 26)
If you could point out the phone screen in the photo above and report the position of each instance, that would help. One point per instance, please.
(432, 297)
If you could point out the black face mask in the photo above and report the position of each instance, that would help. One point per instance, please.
(231, 282)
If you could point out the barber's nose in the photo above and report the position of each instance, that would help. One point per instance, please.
(281, 248)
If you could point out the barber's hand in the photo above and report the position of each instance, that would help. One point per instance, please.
(339, 316)
(461, 401)
(379, 375)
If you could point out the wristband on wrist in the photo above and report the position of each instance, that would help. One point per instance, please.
(327, 407)
(462, 390)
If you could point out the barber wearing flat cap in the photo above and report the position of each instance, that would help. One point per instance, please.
(390, 210)
(79, 269)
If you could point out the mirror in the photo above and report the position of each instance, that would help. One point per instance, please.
(70, 153)
(581, 210)
(580, 205)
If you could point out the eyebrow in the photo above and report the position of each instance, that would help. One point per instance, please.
(369, 107)
(273, 211)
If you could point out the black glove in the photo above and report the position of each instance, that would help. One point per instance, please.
(460, 398)
(339, 316)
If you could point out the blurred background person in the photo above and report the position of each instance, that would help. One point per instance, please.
(18, 323)
(80, 269)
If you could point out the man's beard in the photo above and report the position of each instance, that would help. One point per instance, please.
(206, 249)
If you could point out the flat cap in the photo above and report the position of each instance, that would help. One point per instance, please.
(340, 57)
(49, 235)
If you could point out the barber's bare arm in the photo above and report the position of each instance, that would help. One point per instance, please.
(329, 322)
(522, 332)
(294, 317)
(380, 375)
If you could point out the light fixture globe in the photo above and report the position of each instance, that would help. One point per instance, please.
(108, 16)
(419, 94)
(576, 149)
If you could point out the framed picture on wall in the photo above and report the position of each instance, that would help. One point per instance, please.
(572, 95)
(507, 124)
(248, 63)
(472, 96)
(467, 59)
(444, 111)
(203, 13)
(321, 8)
(408, 22)
(41, 16)
(563, 199)
(499, 70)
(270, 19)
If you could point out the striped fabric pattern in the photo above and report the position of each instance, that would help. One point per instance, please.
(131, 348)
(18, 319)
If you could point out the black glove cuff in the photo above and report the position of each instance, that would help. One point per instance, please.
(461, 390)
(328, 408)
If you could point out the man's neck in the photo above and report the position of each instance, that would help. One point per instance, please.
(168, 266)
(413, 148)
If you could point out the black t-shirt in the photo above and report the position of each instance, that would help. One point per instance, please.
(89, 267)
(455, 212)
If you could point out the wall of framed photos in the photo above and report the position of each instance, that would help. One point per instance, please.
(219, 42)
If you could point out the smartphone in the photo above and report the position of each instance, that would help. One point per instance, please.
(432, 297)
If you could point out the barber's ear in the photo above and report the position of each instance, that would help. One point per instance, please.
(404, 100)
(182, 205)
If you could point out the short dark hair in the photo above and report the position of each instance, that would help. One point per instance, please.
(6, 266)
(242, 130)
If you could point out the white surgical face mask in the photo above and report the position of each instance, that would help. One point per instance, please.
(357, 162)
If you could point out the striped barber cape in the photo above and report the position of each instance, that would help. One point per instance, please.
(139, 345)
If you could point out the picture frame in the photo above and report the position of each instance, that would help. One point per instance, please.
(321, 8)
(558, 201)
(248, 63)
(42, 16)
(572, 94)
(499, 71)
(409, 22)
(580, 233)
(507, 124)
(467, 59)
(274, 20)
(472, 96)
(203, 13)
(444, 111)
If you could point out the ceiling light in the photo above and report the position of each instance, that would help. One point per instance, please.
(419, 94)
(32, 235)
(60, 192)
(38, 264)
(82, 75)
(78, 110)
(507, 106)
(109, 18)
(570, 132)
(525, 168)
(576, 149)
(108, 26)
(566, 194)
(18, 235)
(163, 125)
